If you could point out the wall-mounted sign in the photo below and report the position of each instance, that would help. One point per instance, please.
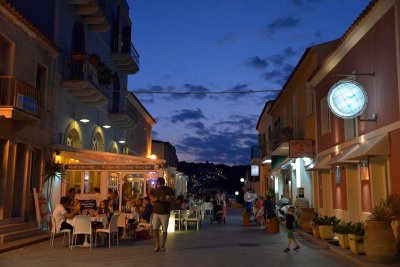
(301, 148)
(255, 170)
(347, 99)
(108, 167)
(26, 103)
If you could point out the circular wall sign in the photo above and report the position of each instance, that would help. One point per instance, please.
(347, 99)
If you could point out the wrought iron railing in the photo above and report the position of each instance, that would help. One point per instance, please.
(19, 95)
(130, 49)
(281, 135)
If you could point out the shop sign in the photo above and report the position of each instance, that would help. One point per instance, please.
(108, 167)
(26, 103)
(301, 148)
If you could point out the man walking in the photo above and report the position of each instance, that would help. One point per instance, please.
(161, 211)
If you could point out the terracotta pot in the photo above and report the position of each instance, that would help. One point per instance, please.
(379, 242)
(246, 220)
(326, 231)
(344, 240)
(272, 227)
(315, 231)
(356, 243)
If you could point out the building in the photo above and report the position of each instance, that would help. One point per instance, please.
(358, 148)
(99, 131)
(27, 70)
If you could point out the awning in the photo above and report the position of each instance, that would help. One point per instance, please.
(320, 164)
(377, 146)
(105, 160)
(343, 156)
(281, 164)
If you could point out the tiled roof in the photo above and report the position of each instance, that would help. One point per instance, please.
(346, 34)
(27, 23)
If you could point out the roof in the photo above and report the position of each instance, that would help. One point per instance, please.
(141, 106)
(346, 35)
(264, 109)
(28, 24)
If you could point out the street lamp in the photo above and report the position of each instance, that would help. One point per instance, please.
(242, 180)
(236, 193)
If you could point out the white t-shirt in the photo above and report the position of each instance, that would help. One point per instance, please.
(248, 196)
(58, 214)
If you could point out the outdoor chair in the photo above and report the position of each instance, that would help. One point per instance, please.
(112, 229)
(54, 231)
(193, 216)
(82, 225)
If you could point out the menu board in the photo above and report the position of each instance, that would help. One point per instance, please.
(87, 203)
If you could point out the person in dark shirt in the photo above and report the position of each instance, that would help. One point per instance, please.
(289, 226)
(148, 210)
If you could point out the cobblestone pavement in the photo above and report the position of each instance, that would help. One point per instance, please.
(229, 244)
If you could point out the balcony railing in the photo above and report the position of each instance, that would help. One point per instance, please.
(97, 14)
(285, 134)
(16, 94)
(88, 79)
(127, 58)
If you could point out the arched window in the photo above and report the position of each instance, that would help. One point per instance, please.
(114, 148)
(73, 135)
(98, 139)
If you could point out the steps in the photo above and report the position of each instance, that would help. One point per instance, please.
(24, 242)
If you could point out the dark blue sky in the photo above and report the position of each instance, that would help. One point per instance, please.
(223, 45)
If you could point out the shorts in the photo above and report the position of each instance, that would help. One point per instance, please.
(160, 220)
(289, 233)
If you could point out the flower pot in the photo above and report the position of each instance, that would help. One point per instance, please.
(344, 240)
(356, 243)
(246, 220)
(326, 231)
(272, 227)
(379, 242)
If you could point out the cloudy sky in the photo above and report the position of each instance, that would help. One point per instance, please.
(215, 46)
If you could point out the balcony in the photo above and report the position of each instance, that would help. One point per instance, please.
(280, 137)
(95, 13)
(127, 59)
(125, 117)
(90, 81)
(18, 100)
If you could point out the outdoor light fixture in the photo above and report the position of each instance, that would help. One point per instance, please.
(152, 156)
(121, 141)
(84, 118)
(106, 125)
(236, 193)
(242, 180)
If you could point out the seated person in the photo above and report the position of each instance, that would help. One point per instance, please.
(148, 210)
(61, 215)
(103, 210)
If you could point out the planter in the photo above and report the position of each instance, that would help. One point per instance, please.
(273, 227)
(379, 242)
(246, 220)
(344, 240)
(356, 243)
(78, 57)
(326, 231)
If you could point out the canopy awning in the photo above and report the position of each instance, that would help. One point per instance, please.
(320, 164)
(282, 163)
(97, 160)
(376, 146)
(343, 156)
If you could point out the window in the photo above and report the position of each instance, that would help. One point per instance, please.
(325, 117)
(5, 57)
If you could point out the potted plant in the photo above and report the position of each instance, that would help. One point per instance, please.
(273, 225)
(356, 237)
(325, 226)
(52, 170)
(380, 243)
(246, 217)
(342, 230)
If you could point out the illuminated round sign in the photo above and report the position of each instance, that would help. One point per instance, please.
(347, 99)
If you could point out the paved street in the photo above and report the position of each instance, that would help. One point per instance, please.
(214, 245)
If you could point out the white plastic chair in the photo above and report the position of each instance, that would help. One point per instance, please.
(146, 225)
(208, 208)
(193, 216)
(54, 231)
(112, 228)
(82, 225)
(177, 214)
(122, 222)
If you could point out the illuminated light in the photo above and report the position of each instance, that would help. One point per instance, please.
(236, 193)
(106, 126)
(122, 141)
(254, 170)
(84, 118)
(276, 185)
(266, 161)
(347, 99)
(242, 180)
(152, 156)
(58, 158)
(152, 182)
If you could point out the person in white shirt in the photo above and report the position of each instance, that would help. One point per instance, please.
(248, 199)
(61, 215)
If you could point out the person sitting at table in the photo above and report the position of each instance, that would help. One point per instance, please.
(103, 211)
(61, 215)
(148, 210)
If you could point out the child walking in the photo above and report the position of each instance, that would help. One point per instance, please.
(289, 226)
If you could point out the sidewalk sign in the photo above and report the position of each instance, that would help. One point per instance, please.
(42, 211)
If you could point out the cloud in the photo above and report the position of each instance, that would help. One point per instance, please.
(227, 39)
(272, 75)
(187, 114)
(199, 92)
(282, 23)
(198, 126)
(276, 59)
(257, 63)
(237, 88)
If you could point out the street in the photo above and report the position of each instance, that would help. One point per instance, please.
(214, 245)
